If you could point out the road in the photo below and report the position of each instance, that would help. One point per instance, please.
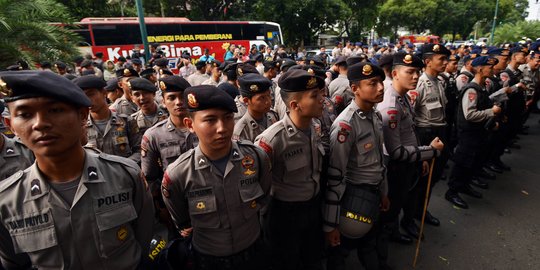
(500, 231)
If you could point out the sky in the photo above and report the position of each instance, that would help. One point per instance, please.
(534, 10)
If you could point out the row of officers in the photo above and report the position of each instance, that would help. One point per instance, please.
(278, 176)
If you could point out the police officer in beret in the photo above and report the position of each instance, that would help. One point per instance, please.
(429, 103)
(4, 118)
(448, 80)
(255, 91)
(143, 93)
(215, 191)
(474, 110)
(339, 89)
(405, 153)
(149, 74)
(74, 208)
(215, 73)
(109, 131)
(114, 91)
(61, 68)
(125, 105)
(200, 76)
(241, 70)
(466, 73)
(296, 152)
(357, 174)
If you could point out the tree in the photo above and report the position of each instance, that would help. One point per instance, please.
(512, 32)
(26, 34)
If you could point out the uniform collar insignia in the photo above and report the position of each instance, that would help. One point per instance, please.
(35, 187)
(10, 150)
(202, 161)
(92, 173)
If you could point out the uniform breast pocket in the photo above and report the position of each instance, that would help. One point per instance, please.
(434, 109)
(297, 168)
(115, 231)
(366, 154)
(34, 240)
(203, 211)
(121, 146)
(250, 191)
(170, 154)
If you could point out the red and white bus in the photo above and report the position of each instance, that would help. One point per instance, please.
(115, 37)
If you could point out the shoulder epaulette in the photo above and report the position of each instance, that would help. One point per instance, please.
(118, 159)
(4, 184)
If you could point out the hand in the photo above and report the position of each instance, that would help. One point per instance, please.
(496, 109)
(437, 144)
(333, 238)
(529, 103)
(508, 90)
(521, 85)
(385, 204)
(186, 232)
(425, 168)
(496, 126)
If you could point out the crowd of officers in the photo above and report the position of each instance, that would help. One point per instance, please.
(267, 163)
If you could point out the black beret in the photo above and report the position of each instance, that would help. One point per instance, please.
(315, 60)
(88, 72)
(141, 84)
(269, 64)
(364, 71)
(112, 84)
(33, 83)
(252, 84)
(386, 60)
(60, 64)
(122, 59)
(250, 62)
(90, 82)
(298, 80)
(200, 64)
(407, 59)
(214, 63)
(286, 63)
(435, 49)
(356, 59)
(136, 61)
(341, 61)
(86, 63)
(165, 72)
(230, 71)
(258, 57)
(147, 72)
(126, 72)
(243, 69)
(161, 62)
(2, 108)
(229, 89)
(202, 97)
(315, 70)
(173, 84)
(454, 57)
(70, 76)
(45, 64)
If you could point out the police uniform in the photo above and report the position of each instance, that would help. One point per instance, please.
(465, 76)
(108, 224)
(122, 105)
(146, 121)
(14, 156)
(198, 78)
(222, 208)
(356, 177)
(294, 217)
(451, 93)
(475, 109)
(248, 128)
(340, 90)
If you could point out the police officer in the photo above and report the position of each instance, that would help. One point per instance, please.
(109, 131)
(200, 76)
(255, 90)
(143, 93)
(215, 73)
(403, 149)
(14, 156)
(356, 175)
(74, 208)
(114, 91)
(125, 105)
(429, 103)
(339, 89)
(240, 70)
(474, 111)
(466, 73)
(530, 79)
(448, 80)
(295, 150)
(218, 188)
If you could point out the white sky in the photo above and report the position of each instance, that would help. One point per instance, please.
(534, 10)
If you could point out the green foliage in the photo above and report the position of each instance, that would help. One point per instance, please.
(27, 36)
(512, 32)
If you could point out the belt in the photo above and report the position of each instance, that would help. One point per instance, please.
(313, 201)
(368, 187)
(235, 259)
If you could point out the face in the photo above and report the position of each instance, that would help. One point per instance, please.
(534, 62)
(173, 102)
(143, 99)
(370, 90)
(406, 77)
(437, 62)
(503, 62)
(98, 99)
(260, 103)
(46, 126)
(309, 103)
(272, 73)
(114, 95)
(519, 57)
(452, 66)
(213, 127)
(123, 84)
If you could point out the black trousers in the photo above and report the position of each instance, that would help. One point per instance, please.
(469, 156)
(248, 259)
(365, 250)
(294, 231)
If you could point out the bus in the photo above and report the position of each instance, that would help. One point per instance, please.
(418, 39)
(116, 37)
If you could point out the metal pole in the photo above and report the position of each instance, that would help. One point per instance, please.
(142, 25)
(494, 22)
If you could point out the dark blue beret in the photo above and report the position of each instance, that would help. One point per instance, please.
(141, 84)
(454, 57)
(492, 51)
(165, 72)
(484, 61)
(519, 48)
(202, 97)
(173, 84)
(435, 49)
(364, 71)
(161, 62)
(147, 72)
(340, 61)
(298, 80)
(252, 84)
(60, 64)
(385, 60)
(229, 89)
(112, 84)
(126, 72)
(33, 83)
(407, 59)
(136, 61)
(200, 64)
(315, 70)
(90, 82)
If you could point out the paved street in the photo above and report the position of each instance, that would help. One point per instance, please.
(500, 231)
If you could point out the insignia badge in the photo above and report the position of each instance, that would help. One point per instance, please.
(4, 89)
(253, 124)
(312, 62)
(253, 204)
(127, 72)
(472, 96)
(266, 147)
(201, 205)
(240, 72)
(368, 146)
(10, 150)
(436, 48)
(192, 101)
(484, 51)
(35, 187)
(367, 70)
(312, 82)
(201, 161)
(310, 71)
(407, 59)
(392, 124)
(92, 173)
(254, 88)
(249, 172)
(342, 136)
(235, 154)
(162, 86)
(247, 162)
(122, 233)
(452, 57)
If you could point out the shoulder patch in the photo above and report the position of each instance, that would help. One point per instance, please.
(265, 146)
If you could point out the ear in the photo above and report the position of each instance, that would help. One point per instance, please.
(394, 73)
(188, 122)
(245, 100)
(7, 122)
(83, 114)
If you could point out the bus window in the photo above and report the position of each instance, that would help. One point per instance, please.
(272, 35)
(234, 29)
(117, 34)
